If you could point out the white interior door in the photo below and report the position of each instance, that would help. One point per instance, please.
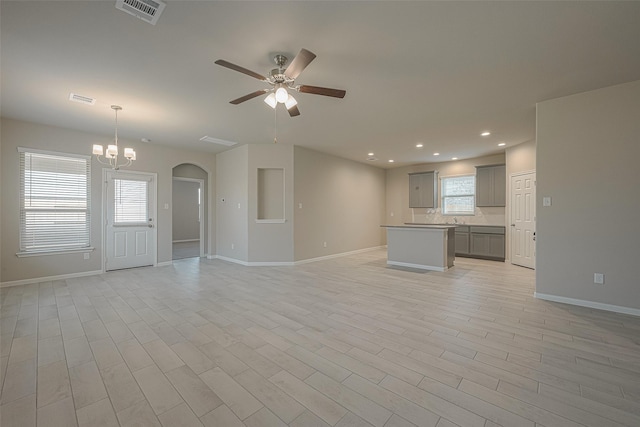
(130, 225)
(523, 219)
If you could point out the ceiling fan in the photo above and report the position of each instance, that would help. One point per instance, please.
(282, 82)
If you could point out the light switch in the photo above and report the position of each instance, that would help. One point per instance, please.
(546, 201)
(299, 205)
(166, 205)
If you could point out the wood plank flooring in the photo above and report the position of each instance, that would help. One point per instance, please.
(342, 342)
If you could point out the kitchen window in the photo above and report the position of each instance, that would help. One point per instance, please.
(55, 202)
(458, 195)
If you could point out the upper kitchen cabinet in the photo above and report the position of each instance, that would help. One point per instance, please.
(422, 190)
(491, 185)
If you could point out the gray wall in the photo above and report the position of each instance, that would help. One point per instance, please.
(587, 161)
(270, 242)
(342, 201)
(151, 158)
(232, 212)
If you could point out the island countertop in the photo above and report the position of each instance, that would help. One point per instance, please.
(434, 226)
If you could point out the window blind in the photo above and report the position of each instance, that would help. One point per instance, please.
(131, 206)
(55, 191)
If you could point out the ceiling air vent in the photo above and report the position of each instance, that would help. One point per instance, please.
(147, 10)
(217, 141)
(82, 99)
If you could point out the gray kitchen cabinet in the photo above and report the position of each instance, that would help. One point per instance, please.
(491, 185)
(422, 190)
(462, 240)
(480, 241)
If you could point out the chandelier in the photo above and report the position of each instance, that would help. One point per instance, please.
(111, 157)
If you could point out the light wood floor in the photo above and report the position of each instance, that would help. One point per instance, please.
(344, 342)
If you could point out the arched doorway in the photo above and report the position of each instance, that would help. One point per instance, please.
(190, 211)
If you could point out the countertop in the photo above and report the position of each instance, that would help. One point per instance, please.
(452, 225)
(431, 226)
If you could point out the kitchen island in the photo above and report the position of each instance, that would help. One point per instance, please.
(425, 247)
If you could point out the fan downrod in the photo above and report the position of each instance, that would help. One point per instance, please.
(280, 60)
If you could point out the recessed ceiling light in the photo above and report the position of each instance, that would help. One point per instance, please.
(436, 154)
(419, 145)
(485, 134)
(502, 144)
(391, 161)
(454, 158)
(370, 154)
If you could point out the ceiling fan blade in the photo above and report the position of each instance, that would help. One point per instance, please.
(293, 111)
(299, 63)
(316, 90)
(249, 96)
(243, 70)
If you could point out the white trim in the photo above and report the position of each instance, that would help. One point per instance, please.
(418, 266)
(233, 260)
(49, 278)
(185, 241)
(322, 258)
(164, 264)
(52, 252)
(294, 263)
(271, 221)
(589, 304)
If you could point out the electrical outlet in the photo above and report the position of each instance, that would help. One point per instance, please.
(598, 278)
(299, 205)
(86, 255)
(233, 246)
(546, 201)
(324, 244)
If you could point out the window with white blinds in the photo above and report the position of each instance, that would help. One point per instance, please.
(55, 201)
(131, 202)
(458, 195)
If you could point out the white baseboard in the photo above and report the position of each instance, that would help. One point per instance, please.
(589, 304)
(417, 266)
(164, 263)
(291, 263)
(185, 241)
(49, 278)
(342, 254)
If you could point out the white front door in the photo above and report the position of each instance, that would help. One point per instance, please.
(523, 219)
(130, 226)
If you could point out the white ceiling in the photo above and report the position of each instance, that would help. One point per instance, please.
(438, 73)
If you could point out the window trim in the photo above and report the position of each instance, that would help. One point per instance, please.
(21, 209)
(443, 196)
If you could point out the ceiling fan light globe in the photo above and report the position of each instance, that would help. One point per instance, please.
(290, 102)
(281, 95)
(270, 100)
